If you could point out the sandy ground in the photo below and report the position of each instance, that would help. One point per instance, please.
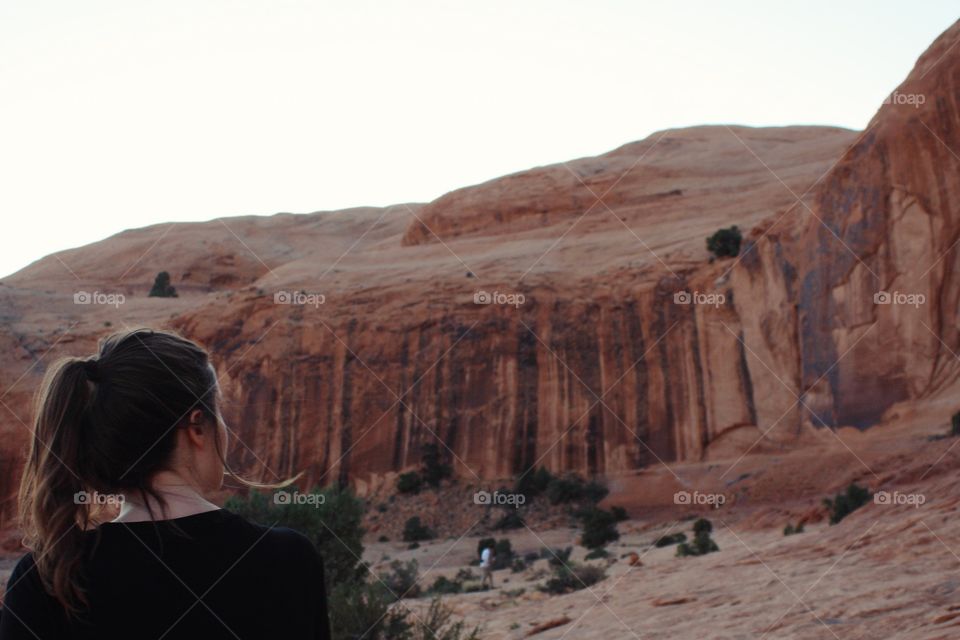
(883, 572)
(886, 571)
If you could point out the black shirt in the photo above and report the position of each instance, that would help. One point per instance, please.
(226, 578)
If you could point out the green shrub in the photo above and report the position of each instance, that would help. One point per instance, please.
(435, 624)
(556, 557)
(409, 483)
(362, 609)
(415, 531)
(597, 553)
(535, 483)
(572, 488)
(670, 539)
(790, 530)
(444, 585)
(702, 543)
(845, 503)
(619, 513)
(725, 242)
(955, 424)
(702, 525)
(466, 575)
(509, 520)
(162, 287)
(594, 491)
(572, 577)
(599, 527)
(566, 489)
(401, 581)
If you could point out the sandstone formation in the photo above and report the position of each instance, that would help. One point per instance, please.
(585, 360)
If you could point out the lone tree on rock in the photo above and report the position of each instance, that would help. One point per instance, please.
(725, 242)
(162, 287)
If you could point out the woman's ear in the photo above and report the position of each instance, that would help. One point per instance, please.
(195, 428)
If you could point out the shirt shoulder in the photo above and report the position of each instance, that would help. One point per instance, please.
(28, 610)
(280, 541)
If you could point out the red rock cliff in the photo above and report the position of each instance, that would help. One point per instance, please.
(600, 369)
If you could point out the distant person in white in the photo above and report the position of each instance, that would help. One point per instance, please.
(486, 564)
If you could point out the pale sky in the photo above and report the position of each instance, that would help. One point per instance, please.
(123, 113)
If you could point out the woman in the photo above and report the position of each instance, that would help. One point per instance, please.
(139, 424)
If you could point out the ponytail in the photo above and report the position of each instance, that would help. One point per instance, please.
(54, 510)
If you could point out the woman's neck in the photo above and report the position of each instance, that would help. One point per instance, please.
(181, 499)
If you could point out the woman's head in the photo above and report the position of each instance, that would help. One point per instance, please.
(145, 403)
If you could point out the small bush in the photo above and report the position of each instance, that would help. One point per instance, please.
(466, 575)
(599, 528)
(510, 520)
(725, 242)
(535, 483)
(702, 543)
(597, 553)
(572, 577)
(401, 581)
(556, 557)
(594, 491)
(444, 585)
(437, 624)
(162, 287)
(955, 424)
(670, 539)
(790, 530)
(519, 565)
(566, 489)
(362, 609)
(409, 483)
(415, 531)
(571, 488)
(702, 525)
(619, 514)
(845, 503)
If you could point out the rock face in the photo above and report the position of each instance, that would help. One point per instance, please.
(585, 358)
